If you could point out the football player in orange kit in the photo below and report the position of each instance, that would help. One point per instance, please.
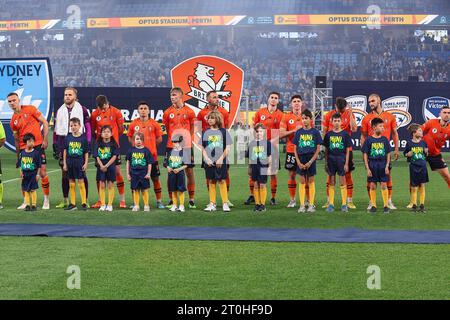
(290, 123)
(270, 118)
(179, 119)
(435, 133)
(107, 115)
(390, 130)
(28, 119)
(152, 138)
(348, 123)
(213, 104)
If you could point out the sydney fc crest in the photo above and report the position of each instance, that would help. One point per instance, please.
(432, 107)
(31, 79)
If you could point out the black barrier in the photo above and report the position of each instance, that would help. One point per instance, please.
(125, 99)
(409, 101)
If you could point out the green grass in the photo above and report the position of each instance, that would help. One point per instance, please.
(35, 268)
(437, 217)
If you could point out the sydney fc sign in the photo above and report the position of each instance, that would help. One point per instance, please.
(31, 79)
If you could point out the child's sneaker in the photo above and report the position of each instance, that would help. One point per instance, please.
(291, 204)
(210, 207)
(391, 205)
(71, 207)
(135, 209)
(27, 208)
(413, 208)
(344, 208)
(22, 206)
(311, 208)
(160, 205)
(262, 208)
(33, 208)
(372, 209)
(146, 208)
(326, 205)
(181, 208)
(226, 207)
(386, 210)
(102, 208)
(302, 209)
(422, 209)
(230, 204)
(173, 208)
(256, 208)
(351, 205)
(84, 207)
(410, 206)
(109, 208)
(170, 204)
(46, 204)
(330, 208)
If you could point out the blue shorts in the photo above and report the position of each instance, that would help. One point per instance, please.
(378, 167)
(311, 171)
(214, 173)
(75, 168)
(139, 182)
(258, 174)
(29, 182)
(336, 165)
(176, 181)
(109, 175)
(418, 175)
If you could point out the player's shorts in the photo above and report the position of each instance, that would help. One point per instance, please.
(311, 171)
(139, 182)
(290, 163)
(335, 165)
(257, 174)
(29, 182)
(75, 168)
(155, 170)
(118, 160)
(109, 175)
(436, 162)
(214, 173)
(377, 167)
(351, 162)
(418, 175)
(176, 181)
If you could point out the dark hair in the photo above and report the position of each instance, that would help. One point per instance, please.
(28, 136)
(75, 120)
(140, 103)
(114, 143)
(336, 116)
(210, 92)
(178, 89)
(376, 121)
(445, 107)
(274, 92)
(140, 135)
(413, 127)
(341, 103)
(296, 96)
(101, 100)
(12, 94)
(307, 113)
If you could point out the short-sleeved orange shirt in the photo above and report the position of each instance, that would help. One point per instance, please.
(110, 117)
(435, 136)
(179, 121)
(389, 123)
(27, 121)
(151, 131)
(201, 116)
(289, 122)
(270, 120)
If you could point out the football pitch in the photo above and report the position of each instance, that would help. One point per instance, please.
(35, 267)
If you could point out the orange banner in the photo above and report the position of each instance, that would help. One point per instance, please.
(24, 25)
(346, 19)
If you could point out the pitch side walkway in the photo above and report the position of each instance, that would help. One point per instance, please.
(222, 233)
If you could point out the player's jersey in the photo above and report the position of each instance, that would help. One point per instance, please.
(179, 121)
(435, 136)
(202, 115)
(151, 131)
(389, 123)
(345, 121)
(110, 117)
(290, 122)
(27, 121)
(270, 120)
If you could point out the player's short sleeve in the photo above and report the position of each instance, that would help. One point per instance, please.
(165, 119)
(283, 122)
(426, 127)
(364, 129)
(36, 113)
(256, 118)
(191, 116)
(130, 131)
(326, 121)
(158, 130)
(2, 132)
(393, 122)
(119, 117)
(13, 125)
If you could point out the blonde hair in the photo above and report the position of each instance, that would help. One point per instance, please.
(216, 115)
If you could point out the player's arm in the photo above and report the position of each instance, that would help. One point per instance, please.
(363, 133)
(396, 140)
(314, 157)
(16, 143)
(353, 125)
(158, 134)
(325, 125)
(86, 160)
(366, 164)
(128, 170)
(347, 159)
(149, 167)
(65, 160)
(386, 170)
(45, 131)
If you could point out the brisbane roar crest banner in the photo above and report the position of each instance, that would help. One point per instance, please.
(410, 102)
(199, 75)
(31, 79)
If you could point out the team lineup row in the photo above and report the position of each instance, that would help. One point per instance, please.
(75, 129)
